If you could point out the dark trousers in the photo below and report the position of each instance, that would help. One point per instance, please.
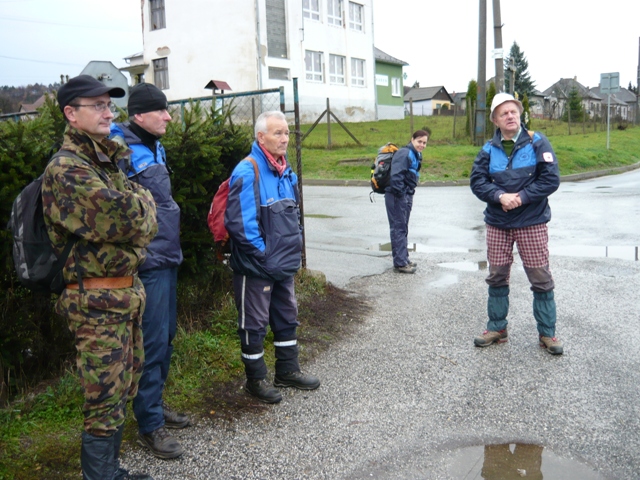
(159, 330)
(398, 212)
(264, 303)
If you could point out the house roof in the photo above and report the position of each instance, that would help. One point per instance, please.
(380, 56)
(562, 87)
(623, 95)
(31, 107)
(426, 93)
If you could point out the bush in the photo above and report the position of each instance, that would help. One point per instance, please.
(202, 149)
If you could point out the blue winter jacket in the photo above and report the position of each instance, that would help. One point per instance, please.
(263, 223)
(405, 171)
(151, 172)
(531, 171)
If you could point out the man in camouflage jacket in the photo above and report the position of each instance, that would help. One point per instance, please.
(88, 198)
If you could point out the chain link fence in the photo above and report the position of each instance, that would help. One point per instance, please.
(243, 107)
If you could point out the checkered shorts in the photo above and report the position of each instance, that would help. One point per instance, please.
(532, 243)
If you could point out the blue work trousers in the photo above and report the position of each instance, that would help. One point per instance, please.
(398, 212)
(265, 303)
(158, 330)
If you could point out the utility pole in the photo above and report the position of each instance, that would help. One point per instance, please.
(482, 74)
(498, 53)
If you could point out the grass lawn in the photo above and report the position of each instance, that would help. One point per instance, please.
(449, 156)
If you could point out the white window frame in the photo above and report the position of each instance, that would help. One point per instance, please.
(161, 73)
(356, 17)
(313, 66)
(337, 67)
(334, 13)
(396, 87)
(357, 72)
(311, 9)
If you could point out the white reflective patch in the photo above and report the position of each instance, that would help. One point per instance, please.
(255, 356)
(288, 343)
(547, 157)
(267, 288)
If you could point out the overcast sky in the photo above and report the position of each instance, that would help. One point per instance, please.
(41, 39)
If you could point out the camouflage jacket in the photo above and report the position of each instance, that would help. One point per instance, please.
(113, 218)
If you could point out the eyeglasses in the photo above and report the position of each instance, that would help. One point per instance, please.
(100, 107)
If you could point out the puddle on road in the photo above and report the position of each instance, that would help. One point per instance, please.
(419, 248)
(621, 252)
(516, 460)
(465, 266)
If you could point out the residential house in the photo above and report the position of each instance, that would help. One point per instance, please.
(460, 101)
(555, 98)
(32, 107)
(623, 104)
(536, 104)
(389, 86)
(262, 44)
(428, 100)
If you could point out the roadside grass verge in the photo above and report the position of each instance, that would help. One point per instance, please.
(40, 432)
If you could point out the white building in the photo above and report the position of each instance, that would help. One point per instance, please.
(261, 44)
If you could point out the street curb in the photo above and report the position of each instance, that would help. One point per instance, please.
(455, 183)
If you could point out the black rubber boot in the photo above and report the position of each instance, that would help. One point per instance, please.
(286, 355)
(97, 457)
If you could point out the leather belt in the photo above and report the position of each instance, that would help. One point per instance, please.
(103, 282)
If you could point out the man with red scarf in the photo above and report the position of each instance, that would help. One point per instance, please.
(263, 221)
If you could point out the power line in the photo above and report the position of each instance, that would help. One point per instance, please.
(92, 26)
(41, 61)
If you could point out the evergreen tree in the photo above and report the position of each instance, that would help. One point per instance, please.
(573, 111)
(523, 83)
(472, 95)
(489, 126)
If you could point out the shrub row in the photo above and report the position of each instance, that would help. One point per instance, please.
(202, 149)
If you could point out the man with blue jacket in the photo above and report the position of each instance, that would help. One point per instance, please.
(263, 221)
(147, 166)
(514, 174)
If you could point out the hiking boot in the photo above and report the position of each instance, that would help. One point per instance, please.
(123, 474)
(173, 419)
(299, 380)
(489, 337)
(259, 388)
(161, 443)
(552, 344)
(413, 264)
(408, 268)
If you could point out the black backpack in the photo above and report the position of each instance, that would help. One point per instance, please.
(381, 168)
(36, 263)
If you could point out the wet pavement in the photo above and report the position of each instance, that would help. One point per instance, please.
(408, 396)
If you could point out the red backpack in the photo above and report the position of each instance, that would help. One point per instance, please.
(215, 218)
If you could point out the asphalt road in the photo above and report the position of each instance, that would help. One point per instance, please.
(408, 396)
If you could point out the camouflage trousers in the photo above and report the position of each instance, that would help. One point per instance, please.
(110, 351)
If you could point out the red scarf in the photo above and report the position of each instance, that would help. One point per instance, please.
(280, 164)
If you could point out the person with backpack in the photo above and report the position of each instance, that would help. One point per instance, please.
(514, 174)
(147, 166)
(398, 197)
(87, 197)
(263, 221)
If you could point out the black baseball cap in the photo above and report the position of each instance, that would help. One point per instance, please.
(85, 86)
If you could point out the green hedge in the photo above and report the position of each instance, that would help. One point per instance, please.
(202, 148)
